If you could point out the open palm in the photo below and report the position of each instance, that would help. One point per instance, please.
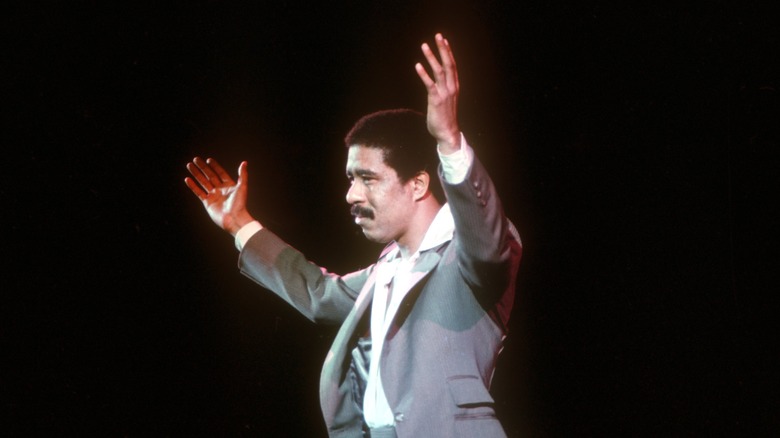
(222, 197)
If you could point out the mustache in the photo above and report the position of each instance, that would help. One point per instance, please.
(359, 211)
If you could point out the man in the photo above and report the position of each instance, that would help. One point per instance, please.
(422, 327)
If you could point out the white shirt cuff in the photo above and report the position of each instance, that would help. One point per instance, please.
(247, 231)
(455, 166)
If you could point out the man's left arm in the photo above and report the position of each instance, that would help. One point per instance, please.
(489, 248)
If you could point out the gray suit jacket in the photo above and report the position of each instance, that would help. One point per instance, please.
(441, 350)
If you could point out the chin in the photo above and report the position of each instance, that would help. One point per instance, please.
(375, 238)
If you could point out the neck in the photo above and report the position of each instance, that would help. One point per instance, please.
(426, 211)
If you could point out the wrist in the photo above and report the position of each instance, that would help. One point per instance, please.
(449, 144)
(239, 222)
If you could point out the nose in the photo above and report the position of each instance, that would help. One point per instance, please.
(355, 193)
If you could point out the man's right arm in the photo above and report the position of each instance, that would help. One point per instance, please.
(318, 295)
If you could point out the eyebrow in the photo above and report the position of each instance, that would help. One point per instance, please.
(361, 173)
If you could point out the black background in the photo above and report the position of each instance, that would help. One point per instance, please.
(632, 145)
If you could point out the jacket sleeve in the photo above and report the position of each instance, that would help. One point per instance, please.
(320, 296)
(488, 246)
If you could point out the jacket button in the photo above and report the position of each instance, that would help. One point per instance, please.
(399, 418)
(479, 194)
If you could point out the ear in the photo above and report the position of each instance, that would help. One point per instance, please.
(420, 184)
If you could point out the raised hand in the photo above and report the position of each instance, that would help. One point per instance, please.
(223, 198)
(442, 117)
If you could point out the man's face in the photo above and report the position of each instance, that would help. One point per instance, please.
(381, 203)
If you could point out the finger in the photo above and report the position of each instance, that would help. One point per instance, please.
(448, 62)
(195, 188)
(427, 81)
(436, 68)
(220, 171)
(209, 173)
(197, 173)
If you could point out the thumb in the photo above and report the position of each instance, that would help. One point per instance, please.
(243, 174)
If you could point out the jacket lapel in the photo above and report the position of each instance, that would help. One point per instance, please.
(419, 275)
